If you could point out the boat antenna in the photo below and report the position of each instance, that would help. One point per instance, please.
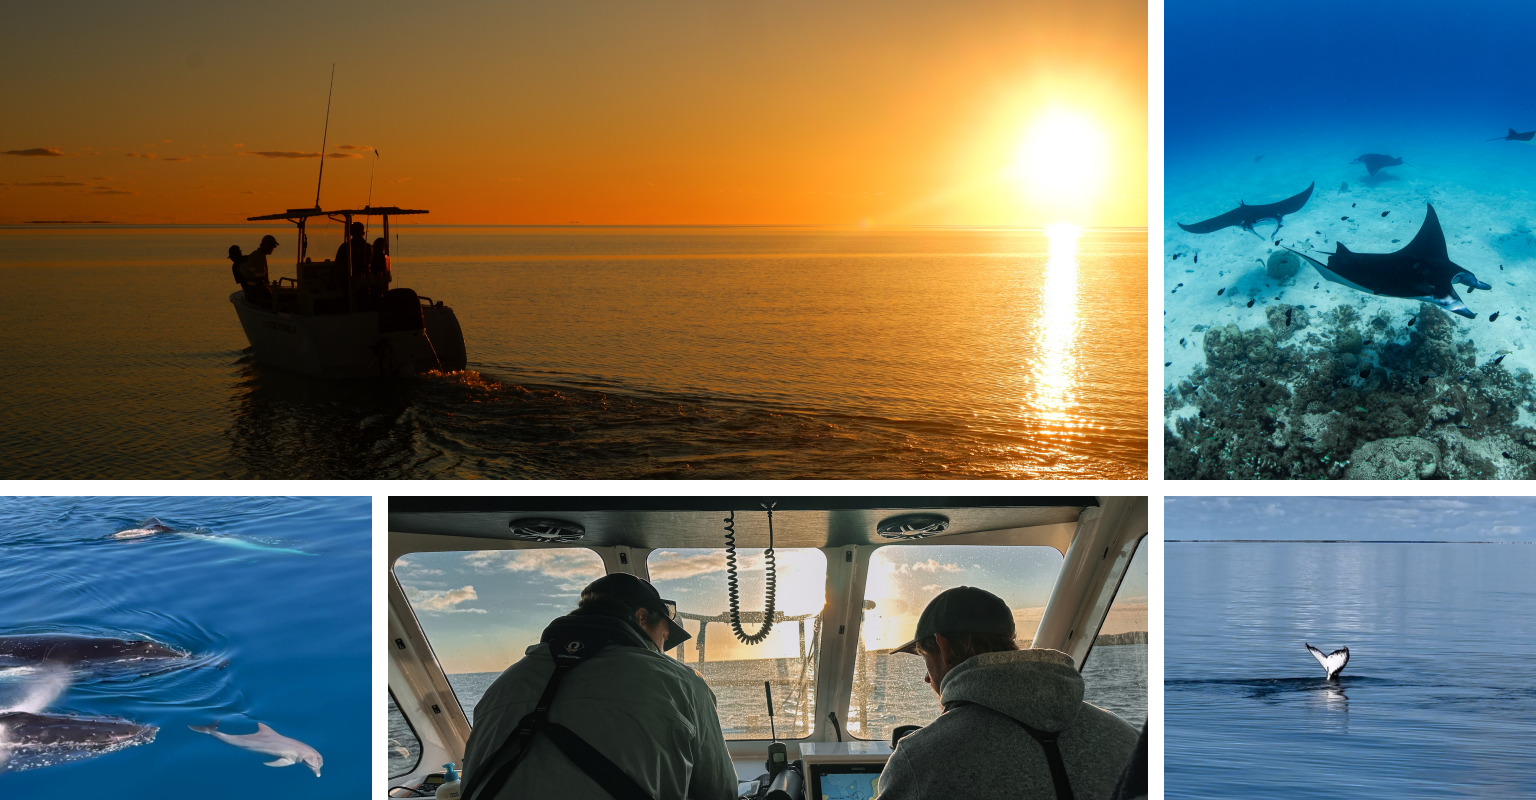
(326, 135)
(369, 204)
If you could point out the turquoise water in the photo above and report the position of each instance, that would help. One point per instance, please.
(269, 596)
(610, 353)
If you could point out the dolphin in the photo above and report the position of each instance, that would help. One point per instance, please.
(71, 650)
(1333, 663)
(1375, 161)
(1515, 137)
(29, 740)
(1422, 270)
(268, 742)
(1246, 216)
(150, 527)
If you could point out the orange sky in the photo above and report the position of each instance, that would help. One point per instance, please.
(598, 111)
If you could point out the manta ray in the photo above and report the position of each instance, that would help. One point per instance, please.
(1515, 137)
(1333, 663)
(1375, 161)
(268, 742)
(1246, 216)
(1422, 270)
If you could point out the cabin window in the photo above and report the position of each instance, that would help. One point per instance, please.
(889, 690)
(1115, 672)
(481, 609)
(696, 579)
(404, 747)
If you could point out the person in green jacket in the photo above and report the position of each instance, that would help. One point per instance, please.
(649, 714)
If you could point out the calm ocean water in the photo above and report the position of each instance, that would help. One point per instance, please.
(1116, 679)
(598, 353)
(1437, 699)
(292, 627)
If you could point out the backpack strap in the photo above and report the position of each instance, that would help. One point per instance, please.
(517, 745)
(596, 765)
(1048, 743)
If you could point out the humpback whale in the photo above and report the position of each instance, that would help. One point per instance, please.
(1422, 270)
(268, 742)
(150, 527)
(29, 740)
(71, 650)
(1246, 216)
(1333, 663)
(1514, 137)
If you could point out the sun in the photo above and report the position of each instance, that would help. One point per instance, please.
(1061, 163)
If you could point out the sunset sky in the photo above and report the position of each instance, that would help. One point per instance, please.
(972, 112)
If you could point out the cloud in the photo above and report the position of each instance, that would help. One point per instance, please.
(926, 566)
(177, 158)
(105, 190)
(51, 183)
(443, 602)
(343, 155)
(150, 156)
(553, 563)
(401, 180)
(353, 147)
(668, 566)
(423, 571)
(279, 154)
(35, 151)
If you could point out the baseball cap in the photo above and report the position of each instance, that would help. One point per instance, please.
(639, 593)
(963, 609)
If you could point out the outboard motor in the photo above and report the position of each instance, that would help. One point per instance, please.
(447, 338)
(403, 347)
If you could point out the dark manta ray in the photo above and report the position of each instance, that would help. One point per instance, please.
(1515, 137)
(1421, 271)
(1375, 161)
(1245, 216)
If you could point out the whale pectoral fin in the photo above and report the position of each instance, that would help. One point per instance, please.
(281, 762)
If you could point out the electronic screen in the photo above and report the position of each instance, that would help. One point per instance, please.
(847, 781)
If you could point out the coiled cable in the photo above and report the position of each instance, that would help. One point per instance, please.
(731, 579)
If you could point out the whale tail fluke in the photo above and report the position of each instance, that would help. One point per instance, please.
(1333, 663)
(205, 728)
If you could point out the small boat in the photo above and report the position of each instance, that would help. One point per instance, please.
(335, 322)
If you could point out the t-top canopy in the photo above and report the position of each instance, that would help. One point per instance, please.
(296, 214)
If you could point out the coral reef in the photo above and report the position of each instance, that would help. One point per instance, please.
(1335, 395)
(1282, 265)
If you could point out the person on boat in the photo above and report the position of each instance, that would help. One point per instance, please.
(1014, 723)
(355, 250)
(258, 291)
(235, 258)
(651, 717)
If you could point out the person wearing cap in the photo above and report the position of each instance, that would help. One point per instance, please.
(355, 250)
(652, 716)
(254, 269)
(1005, 711)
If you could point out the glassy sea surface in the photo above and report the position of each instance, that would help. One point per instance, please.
(1437, 698)
(596, 353)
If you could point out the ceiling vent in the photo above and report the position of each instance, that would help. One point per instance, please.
(549, 531)
(913, 526)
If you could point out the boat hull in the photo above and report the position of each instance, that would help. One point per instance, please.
(340, 346)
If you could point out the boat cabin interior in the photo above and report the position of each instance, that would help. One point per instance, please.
(473, 581)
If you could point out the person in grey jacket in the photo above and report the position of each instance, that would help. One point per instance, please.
(649, 714)
(978, 748)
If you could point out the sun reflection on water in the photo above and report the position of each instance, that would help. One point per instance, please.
(1055, 369)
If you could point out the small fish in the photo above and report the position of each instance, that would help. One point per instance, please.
(1315, 285)
(1351, 205)
(1496, 361)
(1367, 341)
(1202, 413)
(1413, 319)
(1197, 258)
(1288, 317)
(1384, 213)
(1263, 385)
(1176, 256)
(1181, 284)
(1175, 290)
(1308, 439)
(1507, 455)
(1493, 317)
(1502, 352)
(1360, 408)
(1517, 319)
(1465, 427)
(1221, 291)
(1181, 342)
(1501, 267)
(1365, 373)
(1423, 379)
(1250, 304)
(1344, 219)
(1256, 159)
(1167, 363)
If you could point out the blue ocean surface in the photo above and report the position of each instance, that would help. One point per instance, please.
(1437, 699)
(267, 597)
(1266, 100)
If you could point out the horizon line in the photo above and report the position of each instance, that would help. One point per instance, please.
(1346, 541)
(34, 223)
